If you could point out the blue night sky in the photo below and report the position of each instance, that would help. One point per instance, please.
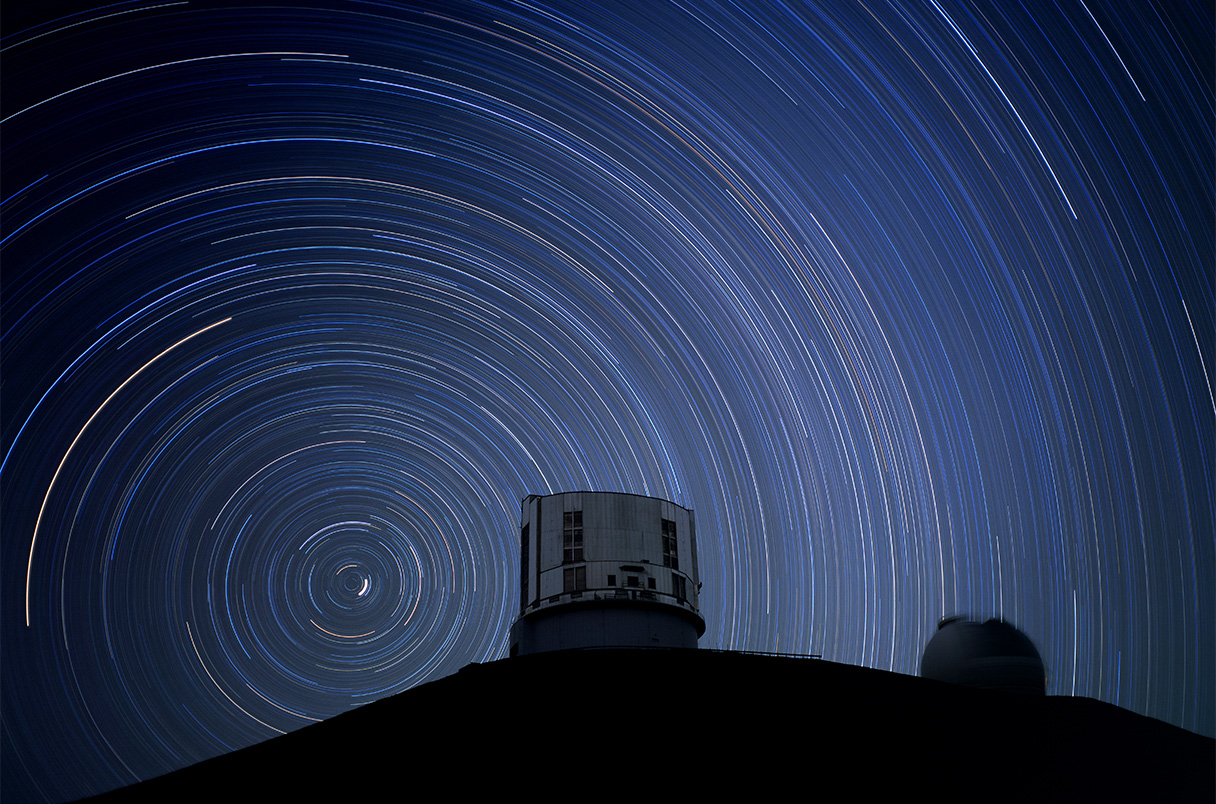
(911, 302)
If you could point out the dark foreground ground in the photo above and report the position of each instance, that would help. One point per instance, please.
(641, 725)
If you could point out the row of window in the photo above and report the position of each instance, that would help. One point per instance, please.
(669, 545)
(574, 579)
(572, 540)
(632, 580)
(572, 537)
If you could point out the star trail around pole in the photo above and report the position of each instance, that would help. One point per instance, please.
(912, 303)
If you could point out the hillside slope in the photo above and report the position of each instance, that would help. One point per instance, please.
(639, 723)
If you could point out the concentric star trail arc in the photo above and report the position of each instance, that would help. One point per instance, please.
(912, 304)
(58, 469)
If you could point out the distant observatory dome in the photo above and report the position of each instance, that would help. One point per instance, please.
(992, 655)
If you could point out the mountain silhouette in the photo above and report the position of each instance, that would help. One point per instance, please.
(630, 724)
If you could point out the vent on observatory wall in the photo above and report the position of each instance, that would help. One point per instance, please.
(603, 569)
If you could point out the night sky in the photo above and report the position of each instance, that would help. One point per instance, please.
(912, 303)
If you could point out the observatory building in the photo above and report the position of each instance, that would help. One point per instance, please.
(992, 655)
(600, 569)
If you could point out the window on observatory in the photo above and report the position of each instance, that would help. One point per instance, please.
(574, 579)
(612, 580)
(572, 537)
(678, 587)
(669, 545)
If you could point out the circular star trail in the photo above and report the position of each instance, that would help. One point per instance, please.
(912, 303)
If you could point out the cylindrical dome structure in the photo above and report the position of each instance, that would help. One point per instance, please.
(602, 569)
(992, 655)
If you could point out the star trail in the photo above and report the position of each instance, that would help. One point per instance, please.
(911, 302)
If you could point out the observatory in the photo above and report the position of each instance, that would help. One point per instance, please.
(600, 569)
(991, 655)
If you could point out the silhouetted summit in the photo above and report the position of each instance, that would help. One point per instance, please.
(644, 723)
